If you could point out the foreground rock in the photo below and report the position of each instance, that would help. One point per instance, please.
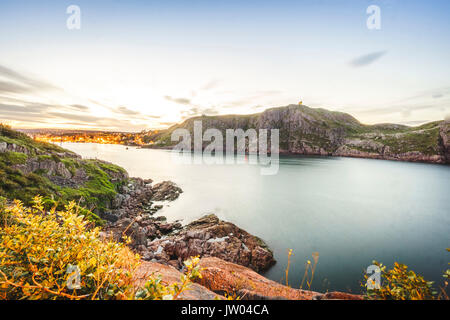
(220, 277)
(208, 237)
(224, 277)
(170, 275)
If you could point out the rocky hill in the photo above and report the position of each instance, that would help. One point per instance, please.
(29, 168)
(312, 131)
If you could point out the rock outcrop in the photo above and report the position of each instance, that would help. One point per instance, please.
(224, 277)
(221, 278)
(209, 236)
(166, 191)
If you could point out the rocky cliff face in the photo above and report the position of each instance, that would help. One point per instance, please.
(311, 131)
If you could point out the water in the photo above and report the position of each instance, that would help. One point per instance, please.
(351, 211)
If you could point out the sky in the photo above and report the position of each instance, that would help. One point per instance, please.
(136, 65)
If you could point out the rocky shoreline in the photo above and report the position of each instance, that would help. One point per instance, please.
(156, 240)
(231, 258)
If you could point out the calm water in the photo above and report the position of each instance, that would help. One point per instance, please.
(351, 211)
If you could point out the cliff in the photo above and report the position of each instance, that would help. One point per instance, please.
(312, 131)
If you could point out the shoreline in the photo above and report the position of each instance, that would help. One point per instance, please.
(412, 158)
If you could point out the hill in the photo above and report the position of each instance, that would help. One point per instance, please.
(29, 168)
(314, 131)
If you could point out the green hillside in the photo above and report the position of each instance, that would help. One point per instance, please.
(29, 168)
(315, 131)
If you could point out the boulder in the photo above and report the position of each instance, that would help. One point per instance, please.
(166, 190)
(209, 236)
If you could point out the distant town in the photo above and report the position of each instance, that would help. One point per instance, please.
(142, 138)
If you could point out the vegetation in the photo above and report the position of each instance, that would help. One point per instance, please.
(56, 255)
(425, 141)
(400, 283)
(14, 184)
(312, 267)
(308, 267)
(38, 246)
(95, 193)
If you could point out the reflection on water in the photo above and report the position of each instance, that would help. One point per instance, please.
(351, 211)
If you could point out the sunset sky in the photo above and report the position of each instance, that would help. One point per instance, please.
(137, 65)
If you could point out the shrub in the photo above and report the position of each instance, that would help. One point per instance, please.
(400, 284)
(41, 251)
(37, 247)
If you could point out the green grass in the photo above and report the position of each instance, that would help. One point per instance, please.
(111, 167)
(425, 142)
(12, 158)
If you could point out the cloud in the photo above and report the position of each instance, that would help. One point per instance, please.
(437, 95)
(79, 107)
(30, 108)
(255, 98)
(17, 88)
(10, 87)
(126, 111)
(198, 111)
(210, 111)
(19, 83)
(257, 107)
(166, 123)
(210, 85)
(78, 117)
(367, 59)
(404, 110)
(184, 101)
(414, 123)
